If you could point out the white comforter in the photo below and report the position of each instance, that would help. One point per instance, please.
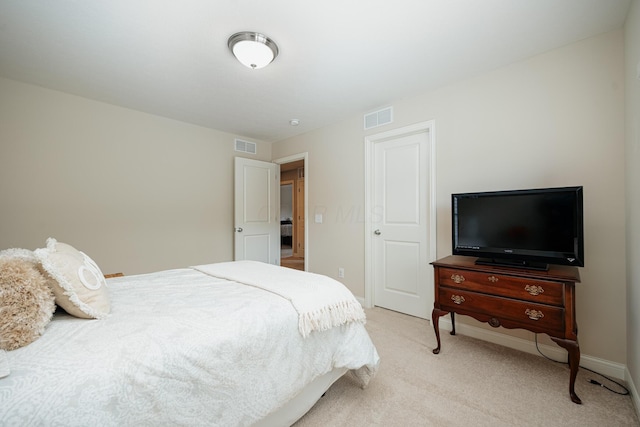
(179, 348)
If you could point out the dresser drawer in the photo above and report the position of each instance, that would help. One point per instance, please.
(528, 315)
(540, 291)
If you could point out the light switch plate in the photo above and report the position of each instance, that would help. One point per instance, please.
(318, 218)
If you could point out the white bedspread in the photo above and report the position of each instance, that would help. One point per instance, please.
(179, 348)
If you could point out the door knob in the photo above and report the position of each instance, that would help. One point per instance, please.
(238, 229)
(377, 232)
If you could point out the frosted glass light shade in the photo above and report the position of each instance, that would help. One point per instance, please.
(253, 50)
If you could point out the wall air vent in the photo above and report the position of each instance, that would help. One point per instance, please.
(245, 146)
(378, 118)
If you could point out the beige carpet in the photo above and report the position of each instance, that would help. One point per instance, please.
(470, 383)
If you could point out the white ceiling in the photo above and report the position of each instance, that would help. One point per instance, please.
(338, 58)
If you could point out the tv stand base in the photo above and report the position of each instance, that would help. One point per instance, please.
(500, 262)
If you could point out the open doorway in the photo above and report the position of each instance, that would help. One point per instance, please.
(292, 215)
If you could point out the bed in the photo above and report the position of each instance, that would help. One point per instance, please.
(228, 344)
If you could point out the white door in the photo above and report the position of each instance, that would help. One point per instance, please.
(402, 222)
(256, 211)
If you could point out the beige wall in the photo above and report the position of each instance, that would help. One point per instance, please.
(136, 192)
(632, 67)
(334, 176)
(556, 119)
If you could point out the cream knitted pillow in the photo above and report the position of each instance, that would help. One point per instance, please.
(80, 287)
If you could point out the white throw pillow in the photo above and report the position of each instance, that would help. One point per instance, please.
(80, 287)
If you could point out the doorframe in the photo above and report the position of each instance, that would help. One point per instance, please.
(369, 167)
(292, 158)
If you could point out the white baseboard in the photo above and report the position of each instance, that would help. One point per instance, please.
(634, 392)
(605, 367)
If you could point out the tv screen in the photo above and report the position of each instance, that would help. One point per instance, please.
(520, 228)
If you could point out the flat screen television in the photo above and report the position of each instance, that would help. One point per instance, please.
(520, 228)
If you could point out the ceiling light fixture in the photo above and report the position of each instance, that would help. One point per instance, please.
(253, 50)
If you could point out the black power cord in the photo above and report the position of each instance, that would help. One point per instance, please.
(590, 380)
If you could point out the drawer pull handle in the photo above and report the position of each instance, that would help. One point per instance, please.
(534, 289)
(458, 299)
(534, 314)
(492, 279)
(458, 278)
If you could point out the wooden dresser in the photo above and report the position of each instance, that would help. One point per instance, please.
(538, 301)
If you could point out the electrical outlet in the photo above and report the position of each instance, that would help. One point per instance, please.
(341, 272)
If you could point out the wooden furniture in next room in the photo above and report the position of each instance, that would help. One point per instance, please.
(538, 301)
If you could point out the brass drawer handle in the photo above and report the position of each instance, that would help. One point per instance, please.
(458, 278)
(492, 279)
(534, 314)
(534, 289)
(458, 299)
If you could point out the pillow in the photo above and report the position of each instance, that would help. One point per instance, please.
(28, 256)
(22, 254)
(26, 302)
(79, 286)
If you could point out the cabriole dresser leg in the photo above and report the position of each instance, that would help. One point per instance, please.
(573, 349)
(435, 319)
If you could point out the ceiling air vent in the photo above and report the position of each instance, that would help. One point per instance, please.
(245, 146)
(378, 118)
